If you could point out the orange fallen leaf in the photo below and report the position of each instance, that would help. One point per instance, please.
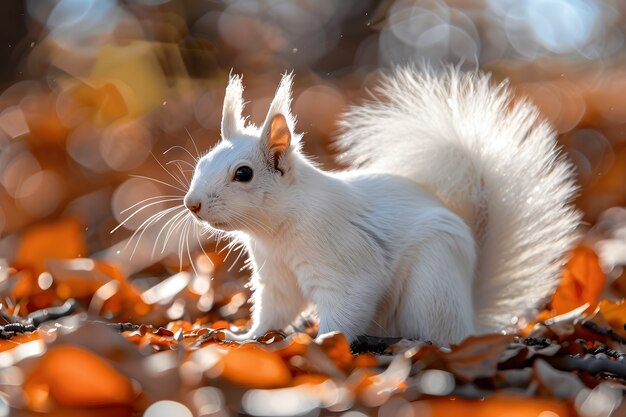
(100, 283)
(583, 281)
(63, 239)
(26, 285)
(338, 349)
(615, 314)
(541, 316)
(71, 376)
(365, 360)
(360, 380)
(220, 324)
(18, 340)
(313, 379)
(174, 326)
(127, 302)
(253, 367)
(495, 406)
(297, 344)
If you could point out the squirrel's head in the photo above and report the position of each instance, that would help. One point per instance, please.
(247, 172)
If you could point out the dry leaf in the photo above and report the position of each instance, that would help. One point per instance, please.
(254, 367)
(62, 239)
(72, 376)
(337, 348)
(615, 314)
(583, 281)
(495, 406)
(18, 339)
(477, 356)
(558, 383)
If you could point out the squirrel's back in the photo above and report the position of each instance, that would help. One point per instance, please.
(489, 158)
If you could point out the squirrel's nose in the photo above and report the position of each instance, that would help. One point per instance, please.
(193, 205)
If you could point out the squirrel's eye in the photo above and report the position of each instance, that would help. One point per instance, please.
(243, 174)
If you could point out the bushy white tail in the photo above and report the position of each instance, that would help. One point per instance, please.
(492, 160)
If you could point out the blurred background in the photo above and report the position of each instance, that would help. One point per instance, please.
(96, 95)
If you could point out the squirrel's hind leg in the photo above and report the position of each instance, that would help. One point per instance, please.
(436, 304)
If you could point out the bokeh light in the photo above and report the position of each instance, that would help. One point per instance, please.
(91, 88)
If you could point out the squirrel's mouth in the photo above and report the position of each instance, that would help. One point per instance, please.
(213, 224)
(218, 225)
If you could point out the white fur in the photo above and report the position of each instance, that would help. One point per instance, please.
(386, 249)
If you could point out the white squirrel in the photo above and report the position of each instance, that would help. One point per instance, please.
(454, 220)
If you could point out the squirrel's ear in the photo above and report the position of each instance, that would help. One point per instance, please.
(232, 122)
(278, 139)
(276, 134)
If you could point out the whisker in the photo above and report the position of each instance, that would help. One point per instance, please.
(232, 248)
(139, 210)
(193, 143)
(181, 242)
(242, 220)
(156, 240)
(228, 246)
(246, 265)
(220, 236)
(206, 229)
(180, 222)
(183, 178)
(241, 251)
(236, 244)
(160, 182)
(175, 223)
(182, 174)
(260, 224)
(187, 228)
(182, 161)
(198, 239)
(251, 220)
(179, 197)
(184, 149)
(244, 206)
(146, 224)
(175, 177)
(155, 217)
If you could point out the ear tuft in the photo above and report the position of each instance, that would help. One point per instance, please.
(279, 138)
(232, 122)
(277, 132)
(282, 99)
